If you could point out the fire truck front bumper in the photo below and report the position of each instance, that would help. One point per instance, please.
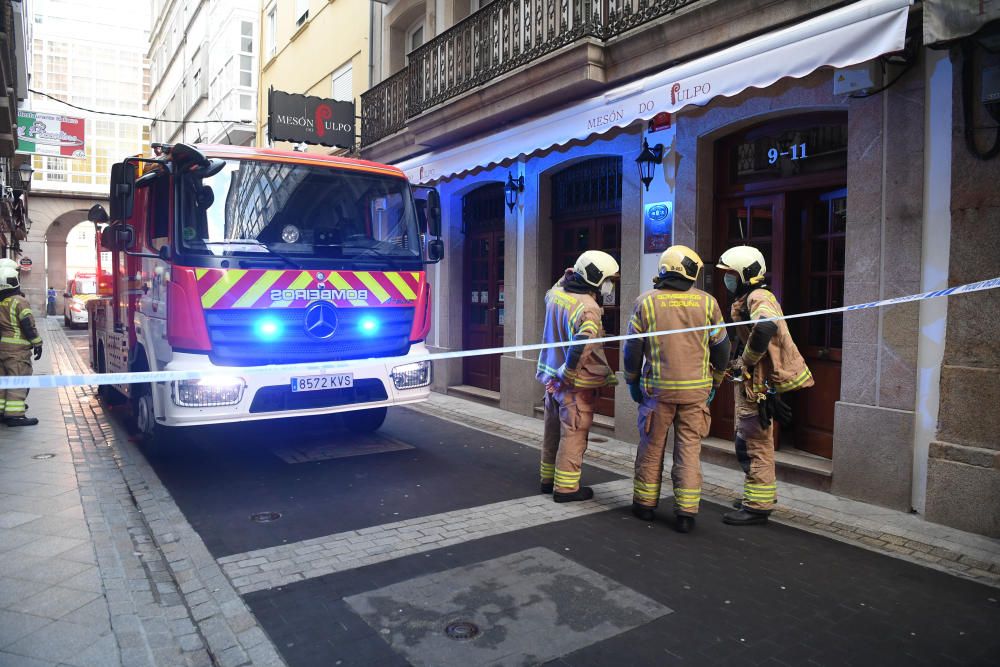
(223, 395)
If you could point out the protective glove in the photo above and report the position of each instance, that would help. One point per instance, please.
(781, 410)
(38, 351)
(635, 391)
(711, 396)
(764, 411)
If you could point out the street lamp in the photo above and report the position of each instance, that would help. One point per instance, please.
(25, 171)
(512, 189)
(647, 161)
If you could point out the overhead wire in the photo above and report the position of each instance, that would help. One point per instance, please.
(131, 115)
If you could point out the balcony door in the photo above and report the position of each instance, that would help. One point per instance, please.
(586, 215)
(483, 293)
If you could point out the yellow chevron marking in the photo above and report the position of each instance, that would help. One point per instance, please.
(219, 289)
(299, 283)
(401, 285)
(339, 282)
(200, 273)
(372, 284)
(257, 289)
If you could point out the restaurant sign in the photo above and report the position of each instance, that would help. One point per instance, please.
(50, 134)
(310, 120)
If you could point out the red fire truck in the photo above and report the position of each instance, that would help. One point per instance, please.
(226, 258)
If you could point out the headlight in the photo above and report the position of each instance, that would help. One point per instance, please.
(290, 234)
(209, 392)
(411, 376)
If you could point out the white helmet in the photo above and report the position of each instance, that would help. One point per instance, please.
(747, 262)
(595, 266)
(681, 260)
(9, 277)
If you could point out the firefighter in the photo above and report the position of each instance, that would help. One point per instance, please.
(573, 375)
(18, 339)
(770, 365)
(673, 378)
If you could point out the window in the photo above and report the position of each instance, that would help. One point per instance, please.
(272, 29)
(415, 36)
(246, 37)
(301, 11)
(245, 102)
(342, 84)
(246, 71)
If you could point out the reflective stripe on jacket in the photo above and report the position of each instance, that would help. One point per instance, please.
(17, 324)
(782, 367)
(676, 366)
(568, 316)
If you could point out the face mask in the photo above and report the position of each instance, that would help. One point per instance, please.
(732, 283)
(607, 287)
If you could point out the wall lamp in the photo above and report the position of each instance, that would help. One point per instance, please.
(647, 161)
(511, 190)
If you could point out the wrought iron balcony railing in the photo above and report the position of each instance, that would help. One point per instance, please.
(499, 38)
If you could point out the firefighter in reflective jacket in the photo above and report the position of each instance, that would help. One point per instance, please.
(769, 366)
(18, 338)
(674, 378)
(573, 375)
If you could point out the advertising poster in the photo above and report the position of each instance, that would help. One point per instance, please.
(658, 226)
(50, 134)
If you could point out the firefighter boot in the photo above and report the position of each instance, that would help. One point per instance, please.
(20, 421)
(642, 512)
(683, 523)
(738, 504)
(583, 493)
(743, 517)
(547, 487)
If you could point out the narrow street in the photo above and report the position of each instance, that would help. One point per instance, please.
(366, 551)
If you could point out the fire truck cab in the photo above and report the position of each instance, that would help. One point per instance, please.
(227, 258)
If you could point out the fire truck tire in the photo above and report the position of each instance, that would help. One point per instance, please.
(144, 414)
(365, 421)
(108, 394)
(67, 322)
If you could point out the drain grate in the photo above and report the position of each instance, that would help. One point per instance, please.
(42, 457)
(461, 630)
(265, 517)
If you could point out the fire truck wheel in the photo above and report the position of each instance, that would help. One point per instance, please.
(106, 392)
(67, 322)
(365, 421)
(144, 413)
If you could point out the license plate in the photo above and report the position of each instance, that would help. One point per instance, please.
(317, 382)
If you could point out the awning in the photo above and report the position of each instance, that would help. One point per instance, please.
(947, 20)
(847, 36)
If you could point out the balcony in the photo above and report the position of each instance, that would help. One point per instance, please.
(498, 39)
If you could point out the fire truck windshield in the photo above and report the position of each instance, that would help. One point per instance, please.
(298, 212)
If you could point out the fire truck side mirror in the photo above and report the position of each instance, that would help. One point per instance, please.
(435, 250)
(97, 214)
(433, 213)
(123, 176)
(118, 236)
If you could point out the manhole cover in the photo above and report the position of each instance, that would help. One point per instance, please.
(42, 457)
(461, 630)
(265, 517)
(597, 438)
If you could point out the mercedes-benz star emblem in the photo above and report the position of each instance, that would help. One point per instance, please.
(321, 320)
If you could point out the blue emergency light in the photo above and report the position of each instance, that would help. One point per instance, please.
(267, 328)
(368, 325)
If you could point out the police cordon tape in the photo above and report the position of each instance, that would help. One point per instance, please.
(51, 381)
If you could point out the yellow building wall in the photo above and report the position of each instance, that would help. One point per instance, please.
(307, 55)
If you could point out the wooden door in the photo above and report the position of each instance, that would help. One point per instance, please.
(820, 237)
(586, 215)
(758, 222)
(483, 293)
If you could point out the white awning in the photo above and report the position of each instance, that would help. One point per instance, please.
(847, 36)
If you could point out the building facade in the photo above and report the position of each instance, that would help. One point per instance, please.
(313, 47)
(90, 54)
(16, 25)
(830, 135)
(203, 59)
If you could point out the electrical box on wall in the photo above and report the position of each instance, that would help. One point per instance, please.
(856, 79)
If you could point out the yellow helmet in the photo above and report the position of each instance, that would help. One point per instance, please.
(681, 260)
(746, 261)
(596, 266)
(9, 274)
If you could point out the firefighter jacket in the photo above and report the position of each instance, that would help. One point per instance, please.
(17, 325)
(781, 367)
(676, 367)
(572, 316)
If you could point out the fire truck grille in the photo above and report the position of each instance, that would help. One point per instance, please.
(239, 337)
(281, 398)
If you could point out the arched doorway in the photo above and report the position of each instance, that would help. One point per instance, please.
(483, 283)
(780, 186)
(587, 215)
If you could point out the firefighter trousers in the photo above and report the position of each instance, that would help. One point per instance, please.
(755, 452)
(568, 416)
(14, 362)
(691, 422)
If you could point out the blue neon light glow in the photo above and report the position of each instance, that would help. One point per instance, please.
(267, 328)
(368, 325)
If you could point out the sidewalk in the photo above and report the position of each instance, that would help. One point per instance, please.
(887, 531)
(97, 567)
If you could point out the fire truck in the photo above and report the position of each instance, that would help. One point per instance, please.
(226, 258)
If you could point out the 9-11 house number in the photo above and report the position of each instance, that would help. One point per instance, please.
(796, 151)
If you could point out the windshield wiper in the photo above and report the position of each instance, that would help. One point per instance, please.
(260, 244)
